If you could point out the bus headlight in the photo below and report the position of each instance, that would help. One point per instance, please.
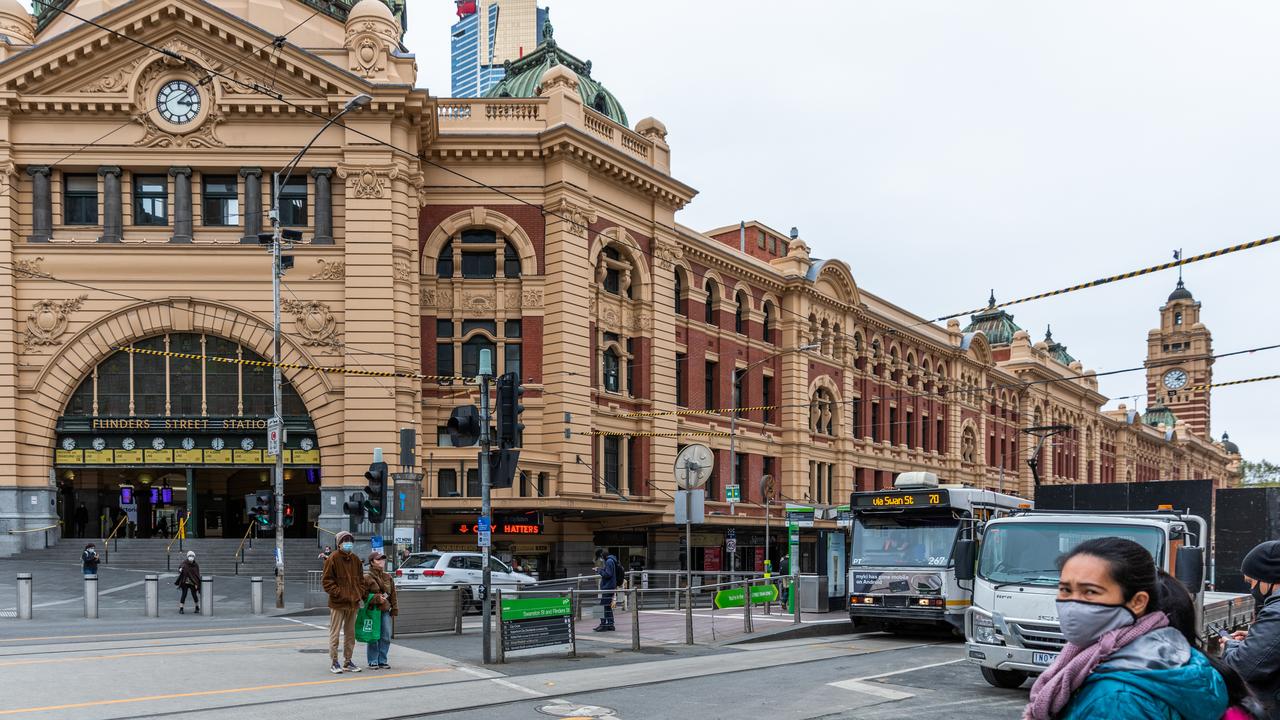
(984, 631)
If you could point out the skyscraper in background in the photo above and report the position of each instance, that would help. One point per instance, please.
(487, 34)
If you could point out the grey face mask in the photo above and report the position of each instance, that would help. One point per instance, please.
(1083, 622)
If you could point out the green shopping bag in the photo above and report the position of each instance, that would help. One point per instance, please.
(368, 622)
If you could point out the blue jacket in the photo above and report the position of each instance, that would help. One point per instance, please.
(608, 573)
(1157, 677)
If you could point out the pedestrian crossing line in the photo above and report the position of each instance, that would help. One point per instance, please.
(227, 691)
(874, 689)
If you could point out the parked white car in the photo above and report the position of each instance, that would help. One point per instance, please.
(445, 570)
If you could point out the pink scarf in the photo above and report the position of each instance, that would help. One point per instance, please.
(1052, 690)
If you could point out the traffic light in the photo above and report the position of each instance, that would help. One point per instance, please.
(288, 515)
(264, 509)
(502, 467)
(376, 490)
(509, 410)
(251, 507)
(464, 426)
(354, 506)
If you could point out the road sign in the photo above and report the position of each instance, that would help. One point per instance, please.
(375, 542)
(404, 536)
(731, 541)
(801, 515)
(531, 625)
(274, 430)
(733, 493)
(484, 536)
(732, 597)
(690, 506)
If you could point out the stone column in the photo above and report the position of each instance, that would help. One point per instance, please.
(324, 207)
(252, 204)
(41, 204)
(112, 207)
(181, 204)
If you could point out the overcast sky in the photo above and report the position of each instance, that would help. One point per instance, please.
(944, 148)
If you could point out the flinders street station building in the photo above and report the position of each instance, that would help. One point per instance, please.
(138, 157)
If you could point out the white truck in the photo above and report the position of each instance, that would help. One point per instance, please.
(901, 569)
(1011, 629)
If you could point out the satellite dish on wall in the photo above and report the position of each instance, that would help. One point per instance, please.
(693, 466)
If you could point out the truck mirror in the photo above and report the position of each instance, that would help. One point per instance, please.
(966, 556)
(1190, 568)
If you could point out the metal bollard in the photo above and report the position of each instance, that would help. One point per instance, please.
(91, 596)
(746, 606)
(206, 595)
(24, 596)
(795, 598)
(635, 617)
(152, 586)
(255, 594)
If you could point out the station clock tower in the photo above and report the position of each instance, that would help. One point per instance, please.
(1180, 361)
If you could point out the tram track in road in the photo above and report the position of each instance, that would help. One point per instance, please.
(161, 638)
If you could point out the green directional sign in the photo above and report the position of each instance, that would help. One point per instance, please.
(534, 608)
(732, 597)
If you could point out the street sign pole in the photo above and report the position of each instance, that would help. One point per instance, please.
(486, 369)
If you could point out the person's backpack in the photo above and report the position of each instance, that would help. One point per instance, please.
(618, 574)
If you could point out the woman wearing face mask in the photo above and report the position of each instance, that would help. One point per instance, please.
(383, 588)
(1256, 654)
(1122, 660)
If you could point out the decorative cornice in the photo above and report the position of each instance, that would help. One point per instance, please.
(330, 270)
(47, 321)
(577, 217)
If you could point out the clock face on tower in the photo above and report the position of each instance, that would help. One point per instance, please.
(178, 101)
(1175, 379)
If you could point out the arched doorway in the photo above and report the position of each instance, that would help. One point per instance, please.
(164, 438)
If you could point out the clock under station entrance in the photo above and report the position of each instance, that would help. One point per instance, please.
(177, 436)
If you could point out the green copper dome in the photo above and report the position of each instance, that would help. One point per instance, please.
(1057, 350)
(997, 325)
(524, 75)
(1159, 415)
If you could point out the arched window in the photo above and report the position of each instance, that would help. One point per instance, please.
(1177, 318)
(611, 370)
(968, 445)
(768, 322)
(480, 253)
(614, 272)
(740, 313)
(713, 293)
(135, 384)
(682, 304)
(444, 264)
(822, 412)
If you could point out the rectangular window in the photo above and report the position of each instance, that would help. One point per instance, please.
(444, 359)
(767, 398)
(512, 329)
(473, 482)
(444, 328)
(222, 380)
(149, 379)
(471, 355)
(894, 430)
(511, 359)
(856, 420)
(942, 438)
(911, 429)
(481, 265)
(150, 200)
(773, 246)
(875, 422)
(760, 239)
(924, 433)
(293, 202)
(768, 466)
(489, 326)
(682, 390)
(631, 364)
(737, 391)
(221, 206)
(523, 481)
(633, 465)
(80, 199)
(612, 462)
(447, 483)
(710, 395)
(510, 262)
(740, 463)
(184, 376)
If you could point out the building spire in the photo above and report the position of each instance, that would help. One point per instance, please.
(1048, 334)
(991, 301)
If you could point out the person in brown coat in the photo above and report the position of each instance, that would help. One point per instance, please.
(383, 588)
(189, 581)
(343, 581)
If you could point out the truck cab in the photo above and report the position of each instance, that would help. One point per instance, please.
(1011, 628)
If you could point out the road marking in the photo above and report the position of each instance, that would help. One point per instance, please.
(310, 625)
(912, 669)
(175, 631)
(521, 688)
(867, 688)
(116, 656)
(228, 691)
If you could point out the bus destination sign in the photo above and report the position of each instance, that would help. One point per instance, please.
(901, 500)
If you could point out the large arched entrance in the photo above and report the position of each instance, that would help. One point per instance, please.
(163, 438)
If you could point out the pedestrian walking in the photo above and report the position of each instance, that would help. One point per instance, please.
(189, 581)
(324, 555)
(82, 520)
(162, 528)
(89, 560)
(383, 588)
(1122, 660)
(1255, 653)
(608, 569)
(343, 581)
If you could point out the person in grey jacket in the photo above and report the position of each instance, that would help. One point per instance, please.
(1255, 653)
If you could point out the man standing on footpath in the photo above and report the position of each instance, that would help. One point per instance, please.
(343, 581)
(608, 570)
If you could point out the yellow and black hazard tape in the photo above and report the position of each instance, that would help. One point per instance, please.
(613, 433)
(337, 370)
(1122, 276)
(1246, 381)
(718, 411)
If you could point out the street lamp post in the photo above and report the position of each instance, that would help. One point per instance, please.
(733, 427)
(277, 419)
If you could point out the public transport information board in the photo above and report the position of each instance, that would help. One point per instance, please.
(901, 500)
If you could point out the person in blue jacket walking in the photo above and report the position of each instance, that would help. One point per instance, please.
(1122, 660)
(610, 573)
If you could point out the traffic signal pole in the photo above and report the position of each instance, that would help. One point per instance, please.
(278, 415)
(485, 575)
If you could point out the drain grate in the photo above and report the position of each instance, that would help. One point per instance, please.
(563, 709)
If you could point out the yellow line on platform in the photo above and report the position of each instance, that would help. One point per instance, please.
(228, 691)
(175, 631)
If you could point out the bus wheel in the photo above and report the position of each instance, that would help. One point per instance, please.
(1006, 679)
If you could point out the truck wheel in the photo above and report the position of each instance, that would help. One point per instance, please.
(1005, 679)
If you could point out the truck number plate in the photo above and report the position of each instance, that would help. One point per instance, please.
(1043, 658)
